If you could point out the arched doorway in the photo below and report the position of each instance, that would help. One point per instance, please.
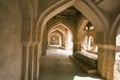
(38, 38)
(96, 18)
(55, 40)
(88, 38)
(65, 39)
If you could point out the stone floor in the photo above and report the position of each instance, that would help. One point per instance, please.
(57, 65)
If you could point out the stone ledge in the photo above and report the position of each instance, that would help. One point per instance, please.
(86, 57)
(87, 68)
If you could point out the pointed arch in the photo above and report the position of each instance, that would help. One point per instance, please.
(56, 29)
(63, 25)
(65, 33)
(56, 37)
(49, 13)
(95, 15)
(97, 18)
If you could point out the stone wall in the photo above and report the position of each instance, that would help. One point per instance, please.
(45, 4)
(10, 44)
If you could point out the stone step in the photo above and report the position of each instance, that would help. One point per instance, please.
(87, 68)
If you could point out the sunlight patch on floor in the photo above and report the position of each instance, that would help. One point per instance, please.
(64, 52)
(85, 78)
(59, 51)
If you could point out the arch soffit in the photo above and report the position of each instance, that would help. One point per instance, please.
(115, 26)
(60, 30)
(81, 28)
(54, 34)
(82, 25)
(114, 30)
(49, 13)
(61, 24)
(95, 16)
(65, 25)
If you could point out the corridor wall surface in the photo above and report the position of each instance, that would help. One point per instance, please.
(10, 44)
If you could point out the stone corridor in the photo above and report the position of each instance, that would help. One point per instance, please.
(29, 27)
(57, 65)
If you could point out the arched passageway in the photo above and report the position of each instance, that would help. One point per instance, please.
(98, 21)
(65, 37)
(88, 38)
(95, 16)
(55, 39)
(24, 28)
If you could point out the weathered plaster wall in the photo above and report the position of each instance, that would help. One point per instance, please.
(110, 8)
(45, 4)
(10, 45)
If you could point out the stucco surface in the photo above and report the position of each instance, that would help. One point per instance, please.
(10, 45)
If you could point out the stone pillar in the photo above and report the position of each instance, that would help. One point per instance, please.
(111, 61)
(44, 45)
(78, 46)
(44, 42)
(74, 47)
(74, 44)
(36, 61)
(25, 60)
(102, 60)
(31, 61)
(106, 58)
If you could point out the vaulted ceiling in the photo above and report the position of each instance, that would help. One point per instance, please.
(69, 13)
